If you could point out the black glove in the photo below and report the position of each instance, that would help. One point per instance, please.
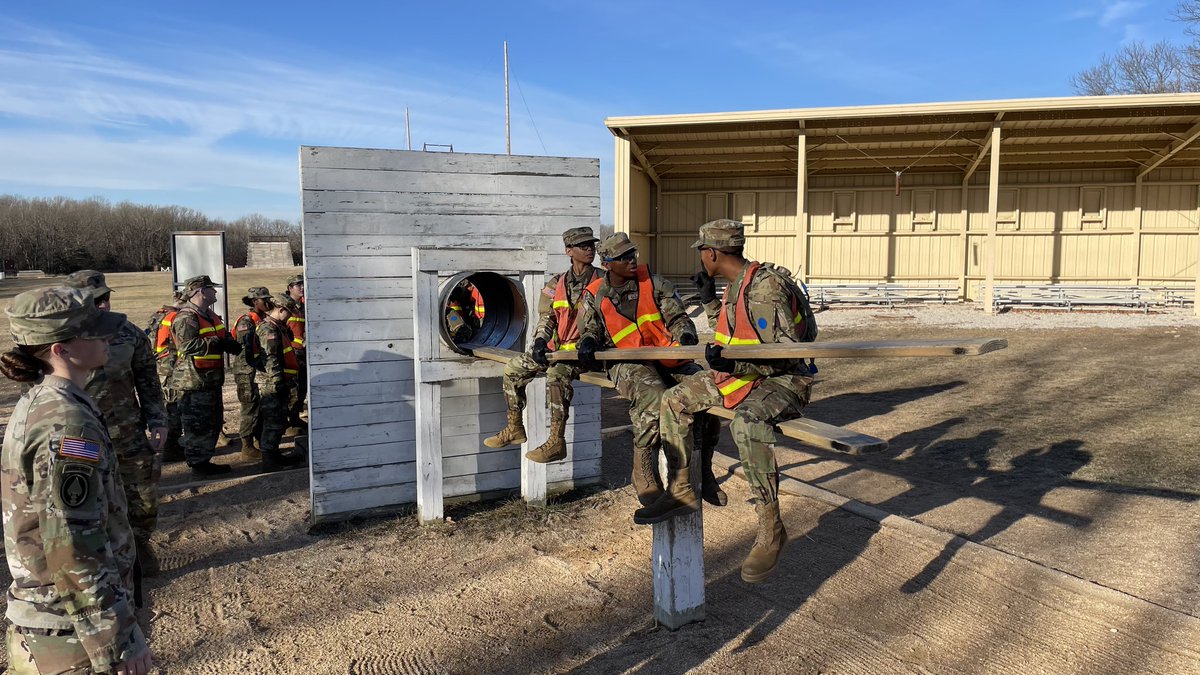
(706, 285)
(587, 353)
(539, 352)
(688, 339)
(712, 354)
(232, 346)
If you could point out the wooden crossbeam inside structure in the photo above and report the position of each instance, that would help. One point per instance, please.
(806, 350)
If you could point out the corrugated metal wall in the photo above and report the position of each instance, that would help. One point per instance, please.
(1053, 227)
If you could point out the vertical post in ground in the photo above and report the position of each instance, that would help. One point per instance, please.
(533, 474)
(677, 555)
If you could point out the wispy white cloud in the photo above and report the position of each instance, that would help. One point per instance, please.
(829, 56)
(1114, 12)
(180, 117)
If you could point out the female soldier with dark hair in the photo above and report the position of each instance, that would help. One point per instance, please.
(66, 534)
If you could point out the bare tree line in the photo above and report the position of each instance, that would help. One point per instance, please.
(1141, 68)
(60, 235)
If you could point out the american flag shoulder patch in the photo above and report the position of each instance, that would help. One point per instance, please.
(79, 448)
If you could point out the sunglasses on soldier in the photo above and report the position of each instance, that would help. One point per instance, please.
(624, 257)
(587, 246)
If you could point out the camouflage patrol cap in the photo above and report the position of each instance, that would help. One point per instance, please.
(58, 313)
(578, 235)
(256, 293)
(615, 246)
(194, 284)
(285, 301)
(723, 235)
(296, 279)
(89, 279)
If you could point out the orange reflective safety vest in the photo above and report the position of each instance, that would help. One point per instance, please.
(296, 325)
(162, 337)
(648, 330)
(566, 316)
(291, 364)
(477, 300)
(210, 329)
(735, 388)
(254, 319)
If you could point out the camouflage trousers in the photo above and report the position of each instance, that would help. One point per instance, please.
(273, 415)
(643, 385)
(141, 468)
(37, 651)
(299, 392)
(202, 417)
(520, 371)
(174, 423)
(247, 393)
(774, 400)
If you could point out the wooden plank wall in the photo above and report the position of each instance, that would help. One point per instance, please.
(918, 238)
(364, 210)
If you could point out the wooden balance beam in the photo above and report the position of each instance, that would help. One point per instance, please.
(805, 350)
(805, 430)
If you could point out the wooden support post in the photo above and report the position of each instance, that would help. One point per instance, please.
(428, 395)
(533, 474)
(1136, 244)
(677, 555)
(964, 243)
(991, 253)
(1196, 303)
(802, 203)
(622, 220)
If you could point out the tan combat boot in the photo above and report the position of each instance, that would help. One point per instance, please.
(146, 558)
(770, 540)
(250, 449)
(555, 447)
(645, 475)
(710, 490)
(679, 499)
(513, 434)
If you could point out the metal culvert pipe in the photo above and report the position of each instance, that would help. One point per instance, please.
(504, 321)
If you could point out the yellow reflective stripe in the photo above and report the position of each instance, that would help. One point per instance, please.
(295, 319)
(455, 306)
(161, 349)
(298, 341)
(561, 303)
(649, 317)
(290, 372)
(211, 357)
(166, 322)
(738, 383)
(567, 347)
(799, 319)
(721, 337)
(624, 333)
(286, 350)
(218, 327)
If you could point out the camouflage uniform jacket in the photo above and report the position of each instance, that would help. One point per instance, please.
(547, 326)
(274, 337)
(185, 334)
(66, 533)
(769, 300)
(127, 388)
(625, 298)
(165, 364)
(248, 361)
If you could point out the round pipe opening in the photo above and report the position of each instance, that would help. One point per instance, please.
(482, 309)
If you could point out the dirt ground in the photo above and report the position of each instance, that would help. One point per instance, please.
(1068, 465)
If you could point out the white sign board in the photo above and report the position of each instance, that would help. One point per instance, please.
(196, 253)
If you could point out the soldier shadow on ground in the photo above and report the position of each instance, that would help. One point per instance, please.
(815, 556)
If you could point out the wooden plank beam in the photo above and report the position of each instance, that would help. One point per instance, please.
(805, 430)
(641, 158)
(726, 158)
(656, 148)
(806, 350)
(1156, 130)
(989, 261)
(1188, 136)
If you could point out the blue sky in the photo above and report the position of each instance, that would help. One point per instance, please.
(205, 104)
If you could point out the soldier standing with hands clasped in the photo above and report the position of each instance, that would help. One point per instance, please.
(66, 536)
(276, 371)
(761, 305)
(258, 299)
(127, 392)
(201, 343)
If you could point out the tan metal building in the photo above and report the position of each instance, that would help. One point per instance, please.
(1080, 190)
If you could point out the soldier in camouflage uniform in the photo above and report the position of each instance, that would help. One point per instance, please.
(761, 305)
(557, 329)
(200, 344)
(643, 383)
(127, 391)
(296, 323)
(276, 371)
(159, 332)
(66, 536)
(258, 300)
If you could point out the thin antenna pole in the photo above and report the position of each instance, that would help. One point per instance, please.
(407, 131)
(507, 128)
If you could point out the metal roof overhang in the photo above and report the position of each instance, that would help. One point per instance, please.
(1142, 133)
